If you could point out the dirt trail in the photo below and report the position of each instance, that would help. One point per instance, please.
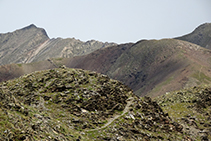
(127, 107)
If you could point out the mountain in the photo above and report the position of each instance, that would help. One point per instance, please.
(32, 44)
(74, 104)
(200, 36)
(150, 67)
(17, 46)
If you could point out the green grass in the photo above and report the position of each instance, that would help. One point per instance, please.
(159, 86)
(59, 59)
(201, 77)
(20, 65)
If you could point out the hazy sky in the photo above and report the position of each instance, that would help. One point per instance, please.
(117, 21)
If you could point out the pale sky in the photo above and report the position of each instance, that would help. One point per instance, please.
(118, 21)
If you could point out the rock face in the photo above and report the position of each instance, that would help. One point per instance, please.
(66, 48)
(200, 36)
(16, 47)
(32, 44)
(70, 104)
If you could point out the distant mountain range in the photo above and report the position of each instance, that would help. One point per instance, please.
(32, 44)
(149, 67)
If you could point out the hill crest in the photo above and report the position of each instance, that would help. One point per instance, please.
(74, 104)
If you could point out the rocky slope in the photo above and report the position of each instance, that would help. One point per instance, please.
(32, 44)
(17, 46)
(191, 108)
(200, 36)
(73, 104)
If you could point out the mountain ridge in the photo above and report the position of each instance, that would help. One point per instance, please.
(31, 44)
(200, 36)
(147, 66)
(152, 68)
(148, 63)
(16, 46)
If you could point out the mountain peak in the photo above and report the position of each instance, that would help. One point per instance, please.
(200, 36)
(203, 25)
(30, 26)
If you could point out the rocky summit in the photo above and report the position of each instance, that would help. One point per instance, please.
(74, 104)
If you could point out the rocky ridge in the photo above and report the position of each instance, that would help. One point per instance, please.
(74, 104)
(149, 67)
(32, 44)
(17, 46)
(200, 36)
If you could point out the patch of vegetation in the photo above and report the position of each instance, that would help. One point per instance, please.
(201, 77)
(20, 65)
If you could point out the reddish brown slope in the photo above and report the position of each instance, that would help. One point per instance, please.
(100, 61)
(151, 67)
